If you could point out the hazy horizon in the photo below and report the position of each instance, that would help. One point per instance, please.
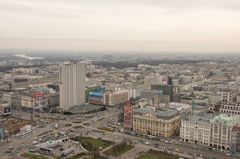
(136, 26)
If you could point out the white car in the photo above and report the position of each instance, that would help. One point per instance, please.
(34, 142)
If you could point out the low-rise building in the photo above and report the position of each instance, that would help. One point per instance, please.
(116, 97)
(196, 129)
(231, 109)
(33, 98)
(209, 131)
(238, 98)
(5, 109)
(184, 109)
(152, 96)
(156, 121)
(221, 130)
(235, 146)
(228, 95)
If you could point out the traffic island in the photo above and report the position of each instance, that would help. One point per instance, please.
(119, 148)
(157, 155)
(92, 144)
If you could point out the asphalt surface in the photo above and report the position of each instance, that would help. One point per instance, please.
(110, 115)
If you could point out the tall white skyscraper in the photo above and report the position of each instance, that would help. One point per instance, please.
(72, 88)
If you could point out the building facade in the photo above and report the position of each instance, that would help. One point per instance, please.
(196, 131)
(116, 97)
(72, 87)
(156, 121)
(235, 146)
(128, 110)
(228, 95)
(5, 109)
(231, 109)
(209, 131)
(28, 100)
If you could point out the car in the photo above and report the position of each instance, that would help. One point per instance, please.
(228, 154)
(156, 145)
(34, 142)
(31, 150)
(86, 124)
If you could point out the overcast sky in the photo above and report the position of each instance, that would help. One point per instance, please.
(121, 25)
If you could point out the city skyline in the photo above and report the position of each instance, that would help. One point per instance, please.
(135, 26)
(132, 79)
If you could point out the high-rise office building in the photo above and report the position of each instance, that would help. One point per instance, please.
(72, 88)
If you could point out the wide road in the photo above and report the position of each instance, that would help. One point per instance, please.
(111, 136)
(25, 140)
(188, 148)
(183, 147)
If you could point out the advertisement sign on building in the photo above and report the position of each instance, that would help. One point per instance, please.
(164, 80)
(96, 98)
(39, 100)
(128, 116)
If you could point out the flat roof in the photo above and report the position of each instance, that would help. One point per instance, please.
(85, 108)
(226, 120)
(163, 113)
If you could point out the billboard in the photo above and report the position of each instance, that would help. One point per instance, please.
(164, 80)
(95, 92)
(38, 99)
(96, 98)
(128, 116)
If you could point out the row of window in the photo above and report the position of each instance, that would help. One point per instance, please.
(230, 112)
(231, 107)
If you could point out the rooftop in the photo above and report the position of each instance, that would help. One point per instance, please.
(179, 106)
(226, 120)
(85, 108)
(203, 119)
(163, 113)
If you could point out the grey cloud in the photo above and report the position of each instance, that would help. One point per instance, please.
(31, 6)
(167, 4)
